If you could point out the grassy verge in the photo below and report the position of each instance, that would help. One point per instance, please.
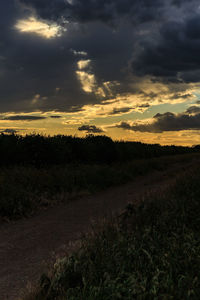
(149, 252)
(23, 189)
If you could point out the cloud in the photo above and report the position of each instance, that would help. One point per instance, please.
(83, 64)
(9, 131)
(193, 110)
(43, 29)
(106, 11)
(87, 80)
(119, 111)
(90, 129)
(55, 117)
(79, 53)
(134, 43)
(146, 105)
(24, 118)
(189, 120)
(173, 54)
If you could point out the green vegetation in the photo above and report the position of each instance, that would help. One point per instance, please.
(150, 252)
(37, 171)
(24, 189)
(38, 150)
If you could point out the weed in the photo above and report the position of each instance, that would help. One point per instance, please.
(150, 252)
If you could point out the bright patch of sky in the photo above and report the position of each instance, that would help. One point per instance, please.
(39, 27)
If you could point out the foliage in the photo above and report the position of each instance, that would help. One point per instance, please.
(23, 189)
(38, 170)
(38, 150)
(150, 252)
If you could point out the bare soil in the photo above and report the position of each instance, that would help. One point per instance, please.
(26, 244)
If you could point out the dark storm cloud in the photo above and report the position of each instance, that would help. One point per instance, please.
(174, 54)
(161, 36)
(189, 120)
(90, 129)
(24, 118)
(93, 10)
(35, 66)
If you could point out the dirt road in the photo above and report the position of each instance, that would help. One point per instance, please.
(26, 244)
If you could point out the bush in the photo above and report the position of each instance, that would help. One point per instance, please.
(150, 252)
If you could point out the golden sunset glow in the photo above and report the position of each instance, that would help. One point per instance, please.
(87, 81)
(132, 82)
(41, 28)
(84, 63)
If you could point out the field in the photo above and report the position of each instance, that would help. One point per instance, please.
(25, 189)
(151, 251)
(39, 171)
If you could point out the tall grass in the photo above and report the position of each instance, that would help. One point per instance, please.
(24, 189)
(150, 252)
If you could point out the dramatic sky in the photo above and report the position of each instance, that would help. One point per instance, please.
(129, 69)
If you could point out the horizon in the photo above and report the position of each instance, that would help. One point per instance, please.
(48, 135)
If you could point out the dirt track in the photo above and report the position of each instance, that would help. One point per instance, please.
(26, 244)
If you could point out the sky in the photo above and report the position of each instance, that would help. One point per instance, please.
(129, 69)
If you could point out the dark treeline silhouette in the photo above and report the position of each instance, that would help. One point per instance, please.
(39, 150)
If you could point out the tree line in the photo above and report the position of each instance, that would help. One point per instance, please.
(40, 150)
